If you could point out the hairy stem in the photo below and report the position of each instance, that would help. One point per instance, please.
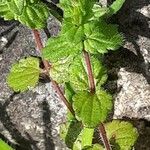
(47, 67)
(92, 90)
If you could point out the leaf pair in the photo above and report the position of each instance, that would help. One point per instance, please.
(32, 13)
(122, 135)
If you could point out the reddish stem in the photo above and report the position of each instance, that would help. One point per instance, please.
(47, 67)
(92, 90)
(89, 71)
(104, 137)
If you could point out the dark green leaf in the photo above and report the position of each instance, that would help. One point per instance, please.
(92, 109)
(70, 132)
(24, 74)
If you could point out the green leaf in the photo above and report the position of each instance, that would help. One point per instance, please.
(101, 37)
(84, 139)
(78, 73)
(4, 146)
(32, 13)
(70, 132)
(59, 70)
(77, 12)
(59, 48)
(122, 134)
(24, 74)
(16, 6)
(34, 16)
(92, 109)
(115, 7)
(5, 12)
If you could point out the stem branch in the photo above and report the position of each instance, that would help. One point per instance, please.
(47, 67)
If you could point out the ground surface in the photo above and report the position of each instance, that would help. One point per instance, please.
(32, 119)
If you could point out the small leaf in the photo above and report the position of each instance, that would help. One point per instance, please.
(59, 48)
(92, 109)
(122, 134)
(69, 92)
(4, 146)
(101, 37)
(16, 6)
(70, 132)
(78, 73)
(117, 4)
(24, 74)
(84, 139)
(59, 70)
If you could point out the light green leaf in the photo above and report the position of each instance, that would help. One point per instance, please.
(84, 139)
(101, 37)
(4, 146)
(5, 12)
(70, 132)
(78, 73)
(92, 109)
(24, 74)
(115, 7)
(34, 16)
(59, 70)
(16, 6)
(122, 134)
(77, 12)
(59, 48)
(99, 11)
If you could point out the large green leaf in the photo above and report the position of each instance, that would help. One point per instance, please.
(24, 74)
(122, 134)
(78, 73)
(59, 48)
(32, 13)
(92, 109)
(101, 37)
(95, 147)
(4, 146)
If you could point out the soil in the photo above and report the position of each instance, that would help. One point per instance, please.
(30, 120)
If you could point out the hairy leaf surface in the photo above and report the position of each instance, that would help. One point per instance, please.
(92, 109)
(101, 37)
(122, 134)
(24, 74)
(59, 48)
